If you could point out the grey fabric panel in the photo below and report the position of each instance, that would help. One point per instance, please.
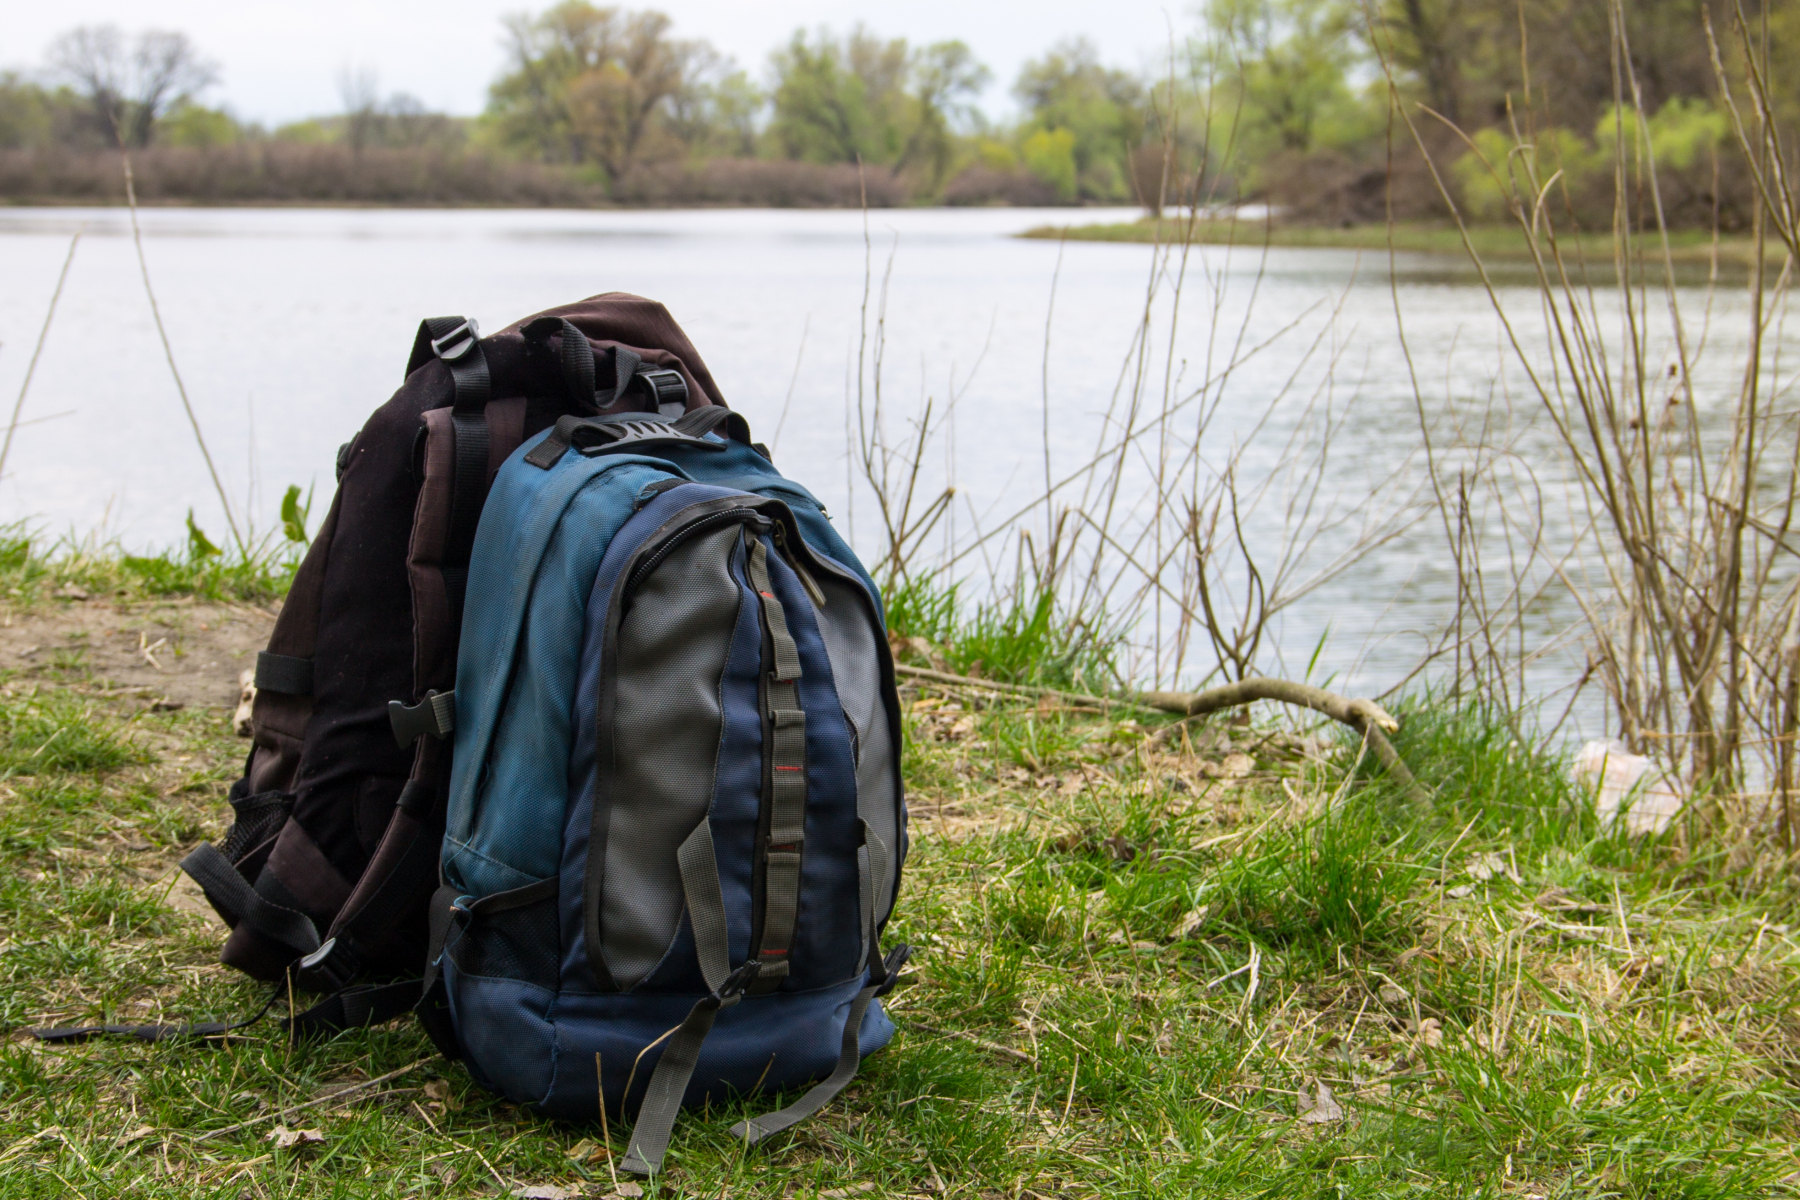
(672, 648)
(856, 672)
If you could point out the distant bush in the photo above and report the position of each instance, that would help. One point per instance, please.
(289, 172)
(760, 183)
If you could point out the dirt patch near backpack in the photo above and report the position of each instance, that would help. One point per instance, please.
(176, 653)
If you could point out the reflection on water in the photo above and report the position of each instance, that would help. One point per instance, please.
(290, 325)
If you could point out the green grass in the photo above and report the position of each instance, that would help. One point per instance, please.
(34, 569)
(1171, 951)
(1491, 241)
(1016, 638)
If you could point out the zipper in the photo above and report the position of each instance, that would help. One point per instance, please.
(811, 585)
(710, 520)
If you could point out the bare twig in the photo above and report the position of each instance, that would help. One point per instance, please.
(38, 350)
(990, 1047)
(335, 1096)
(137, 241)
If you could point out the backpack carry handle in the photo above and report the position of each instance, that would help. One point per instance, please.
(600, 435)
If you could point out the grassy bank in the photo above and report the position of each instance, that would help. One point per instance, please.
(1687, 246)
(1224, 962)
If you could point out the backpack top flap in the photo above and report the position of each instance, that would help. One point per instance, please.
(619, 318)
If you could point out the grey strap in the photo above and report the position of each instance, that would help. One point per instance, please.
(669, 1082)
(284, 673)
(872, 863)
(705, 904)
(232, 892)
(787, 657)
(782, 854)
(849, 1058)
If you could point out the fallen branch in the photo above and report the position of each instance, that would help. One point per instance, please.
(1365, 716)
(1017, 689)
(1368, 718)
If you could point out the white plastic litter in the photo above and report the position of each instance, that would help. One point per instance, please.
(1628, 783)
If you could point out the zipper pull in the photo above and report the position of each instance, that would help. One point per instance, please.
(806, 580)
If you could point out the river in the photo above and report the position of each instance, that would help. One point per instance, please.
(290, 325)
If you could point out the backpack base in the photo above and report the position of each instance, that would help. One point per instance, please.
(547, 1042)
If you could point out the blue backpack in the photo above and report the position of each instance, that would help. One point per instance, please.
(676, 826)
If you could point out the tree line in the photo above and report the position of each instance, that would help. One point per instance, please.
(1297, 102)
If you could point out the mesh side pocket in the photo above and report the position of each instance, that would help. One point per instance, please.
(255, 820)
(523, 943)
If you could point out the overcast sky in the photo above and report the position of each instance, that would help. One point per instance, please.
(280, 61)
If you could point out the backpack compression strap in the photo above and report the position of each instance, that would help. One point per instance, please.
(456, 342)
(786, 733)
(668, 1083)
(849, 1058)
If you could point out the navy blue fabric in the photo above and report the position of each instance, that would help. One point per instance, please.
(828, 936)
(538, 1048)
(743, 469)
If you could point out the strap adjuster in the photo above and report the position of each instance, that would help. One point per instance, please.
(330, 968)
(458, 342)
(737, 983)
(661, 386)
(434, 715)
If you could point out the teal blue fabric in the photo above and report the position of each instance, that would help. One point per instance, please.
(541, 538)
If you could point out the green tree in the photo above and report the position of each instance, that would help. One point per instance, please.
(945, 79)
(1286, 67)
(840, 100)
(195, 125)
(599, 85)
(1103, 111)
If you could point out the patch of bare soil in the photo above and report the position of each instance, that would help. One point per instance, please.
(175, 653)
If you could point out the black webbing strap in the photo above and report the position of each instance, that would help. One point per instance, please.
(786, 725)
(708, 418)
(433, 1009)
(669, 1082)
(577, 357)
(284, 673)
(203, 1031)
(342, 957)
(849, 1059)
(626, 365)
(232, 892)
(353, 1008)
(457, 342)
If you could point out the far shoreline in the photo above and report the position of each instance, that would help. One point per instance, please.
(1687, 247)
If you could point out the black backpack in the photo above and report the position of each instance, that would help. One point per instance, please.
(338, 820)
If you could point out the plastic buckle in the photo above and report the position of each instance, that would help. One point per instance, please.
(327, 969)
(458, 342)
(737, 983)
(434, 715)
(891, 968)
(663, 385)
